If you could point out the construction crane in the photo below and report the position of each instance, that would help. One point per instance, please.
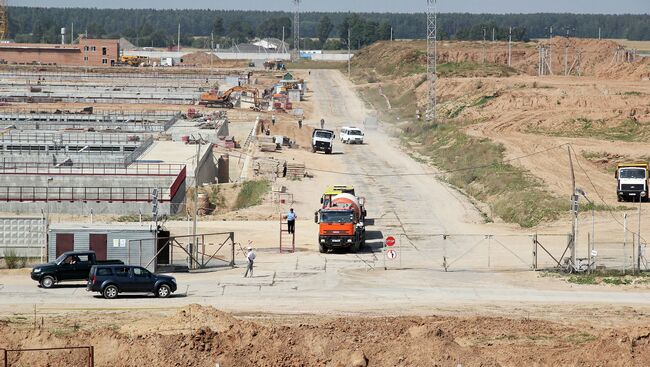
(4, 20)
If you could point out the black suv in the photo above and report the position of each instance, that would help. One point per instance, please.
(110, 280)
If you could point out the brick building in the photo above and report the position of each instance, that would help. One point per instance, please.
(88, 52)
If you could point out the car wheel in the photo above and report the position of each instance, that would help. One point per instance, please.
(47, 281)
(163, 291)
(355, 248)
(322, 249)
(110, 292)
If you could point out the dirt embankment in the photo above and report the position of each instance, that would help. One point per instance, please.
(586, 57)
(204, 336)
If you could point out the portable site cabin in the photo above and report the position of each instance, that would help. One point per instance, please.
(132, 243)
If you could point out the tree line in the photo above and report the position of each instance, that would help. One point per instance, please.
(201, 28)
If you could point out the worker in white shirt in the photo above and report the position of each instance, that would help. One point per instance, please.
(250, 257)
(291, 221)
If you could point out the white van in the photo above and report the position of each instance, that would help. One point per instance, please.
(351, 135)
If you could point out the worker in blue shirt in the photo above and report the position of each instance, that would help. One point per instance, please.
(291, 221)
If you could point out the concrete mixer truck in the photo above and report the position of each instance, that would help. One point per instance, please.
(341, 224)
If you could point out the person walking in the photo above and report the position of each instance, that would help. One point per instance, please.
(322, 123)
(273, 120)
(250, 257)
(300, 123)
(291, 221)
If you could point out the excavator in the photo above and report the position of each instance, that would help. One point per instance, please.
(212, 99)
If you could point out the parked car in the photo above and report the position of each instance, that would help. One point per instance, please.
(351, 135)
(72, 265)
(110, 280)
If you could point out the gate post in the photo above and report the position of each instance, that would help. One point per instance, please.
(232, 252)
(535, 251)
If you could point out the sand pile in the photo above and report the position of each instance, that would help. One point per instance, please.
(351, 341)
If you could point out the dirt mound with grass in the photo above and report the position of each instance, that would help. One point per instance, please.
(215, 337)
(204, 59)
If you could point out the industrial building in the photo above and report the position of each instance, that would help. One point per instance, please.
(87, 52)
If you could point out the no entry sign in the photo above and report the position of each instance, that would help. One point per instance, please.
(390, 241)
(391, 254)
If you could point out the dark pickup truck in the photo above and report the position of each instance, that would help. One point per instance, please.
(73, 265)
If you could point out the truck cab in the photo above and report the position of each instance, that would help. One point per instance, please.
(322, 140)
(632, 181)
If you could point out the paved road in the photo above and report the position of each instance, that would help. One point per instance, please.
(412, 206)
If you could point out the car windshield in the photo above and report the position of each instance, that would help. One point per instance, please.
(632, 173)
(323, 134)
(354, 132)
(339, 216)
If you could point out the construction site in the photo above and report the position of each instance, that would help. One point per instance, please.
(455, 203)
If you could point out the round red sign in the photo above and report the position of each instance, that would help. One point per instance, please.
(390, 241)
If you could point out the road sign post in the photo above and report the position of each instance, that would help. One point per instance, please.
(389, 250)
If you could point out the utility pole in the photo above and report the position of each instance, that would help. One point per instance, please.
(296, 27)
(195, 247)
(432, 51)
(625, 242)
(599, 33)
(638, 241)
(72, 33)
(574, 209)
(493, 38)
(178, 46)
(484, 34)
(510, 46)
(566, 55)
(349, 55)
(550, 52)
(391, 34)
(211, 49)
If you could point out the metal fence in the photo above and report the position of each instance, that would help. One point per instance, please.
(90, 169)
(502, 252)
(200, 251)
(81, 193)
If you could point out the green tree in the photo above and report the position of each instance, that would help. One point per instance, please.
(324, 29)
(274, 27)
(217, 26)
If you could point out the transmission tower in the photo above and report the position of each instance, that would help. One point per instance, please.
(432, 35)
(4, 20)
(296, 26)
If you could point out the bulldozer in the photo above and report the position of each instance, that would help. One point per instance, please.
(213, 99)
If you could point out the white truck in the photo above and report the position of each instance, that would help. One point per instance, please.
(322, 140)
(632, 181)
(351, 135)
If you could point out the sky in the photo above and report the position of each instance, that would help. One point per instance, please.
(401, 6)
